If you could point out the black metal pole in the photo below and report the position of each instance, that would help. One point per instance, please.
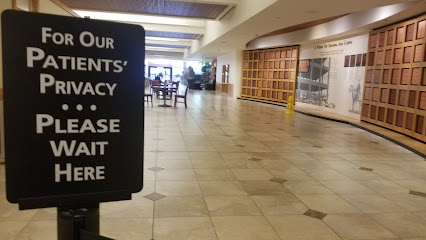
(71, 220)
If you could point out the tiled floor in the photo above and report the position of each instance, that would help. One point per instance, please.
(232, 169)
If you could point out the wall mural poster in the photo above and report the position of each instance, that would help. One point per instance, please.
(312, 85)
(335, 76)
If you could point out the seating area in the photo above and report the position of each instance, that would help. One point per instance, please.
(166, 92)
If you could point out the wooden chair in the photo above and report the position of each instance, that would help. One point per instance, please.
(156, 91)
(171, 91)
(182, 96)
(148, 95)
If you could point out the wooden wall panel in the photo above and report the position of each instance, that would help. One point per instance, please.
(270, 74)
(395, 81)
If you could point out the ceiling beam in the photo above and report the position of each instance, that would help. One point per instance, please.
(163, 49)
(219, 2)
(173, 28)
(224, 12)
(179, 43)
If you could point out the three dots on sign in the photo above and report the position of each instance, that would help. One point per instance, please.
(79, 107)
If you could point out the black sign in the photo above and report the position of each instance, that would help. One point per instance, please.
(73, 106)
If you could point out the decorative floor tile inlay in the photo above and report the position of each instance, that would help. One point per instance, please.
(315, 214)
(277, 180)
(366, 169)
(154, 196)
(255, 159)
(421, 194)
(156, 169)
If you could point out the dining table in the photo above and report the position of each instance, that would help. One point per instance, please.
(164, 88)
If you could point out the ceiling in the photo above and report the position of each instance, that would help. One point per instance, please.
(205, 29)
(170, 25)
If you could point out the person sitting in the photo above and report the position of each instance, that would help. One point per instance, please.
(159, 77)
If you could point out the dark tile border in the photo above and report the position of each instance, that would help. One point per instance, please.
(345, 122)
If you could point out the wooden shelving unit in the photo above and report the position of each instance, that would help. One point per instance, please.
(395, 81)
(270, 74)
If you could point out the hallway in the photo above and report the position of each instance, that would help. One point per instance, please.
(232, 169)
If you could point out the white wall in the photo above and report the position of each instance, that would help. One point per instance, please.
(340, 78)
(234, 59)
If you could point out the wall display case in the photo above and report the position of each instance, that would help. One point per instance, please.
(395, 79)
(270, 74)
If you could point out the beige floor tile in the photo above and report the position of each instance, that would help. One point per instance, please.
(384, 187)
(231, 206)
(327, 203)
(346, 187)
(338, 165)
(174, 164)
(184, 228)
(290, 174)
(243, 164)
(11, 212)
(236, 156)
(309, 164)
(301, 227)
(10, 229)
(277, 164)
(172, 156)
(244, 228)
(307, 188)
(280, 204)
(205, 156)
(215, 175)
(266, 156)
(325, 174)
(264, 188)
(408, 201)
(45, 214)
(176, 175)
(402, 224)
(38, 230)
(149, 163)
(222, 188)
(128, 229)
(209, 164)
(148, 175)
(200, 148)
(178, 188)
(148, 187)
(136, 208)
(357, 174)
(416, 185)
(357, 226)
(296, 156)
(373, 203)
(394, 174)
(172, 148)
(252, 174)
(185, 206)
(326, 156)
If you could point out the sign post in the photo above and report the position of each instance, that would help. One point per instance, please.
(74, 112)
